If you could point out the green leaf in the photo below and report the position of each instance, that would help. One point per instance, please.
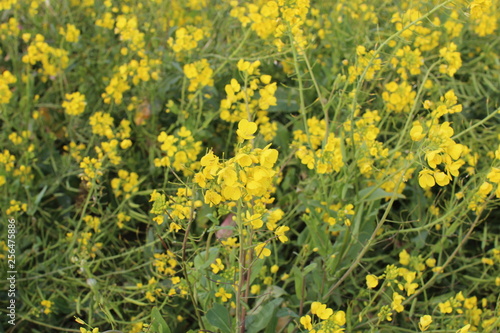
(309, 268)
(371, 193)
(203, 260)
(298, 277)
(159, 325)
(256, 322)
(218, 316)
(32, 208)
(256, 267)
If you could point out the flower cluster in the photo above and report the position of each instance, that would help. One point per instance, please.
(5, 80)
(366, 62)
(327, 320)
(177, 209)
(74, 104)
(53, 60)
(241, 100)
(442, 153)
(126, 183)
(180, 151)
(274, 20)
(324, 156)
(248, 175)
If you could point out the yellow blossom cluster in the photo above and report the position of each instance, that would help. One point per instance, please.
(328, 320)
(126, 183)
(86, 248)
(53, 60)
(9, 28)
(166, 263)
(365, 63)
(16, 206)
(324, 156)
(176, 209)
(74, 104)
(5, 80)
(47, 306)
(248, 175)
(408, 62)
(70, 33)
(477, 316)
(484, 16)
(332, 215)
(92, 170)
(180, 151)
(186, 39)
(102, 124)
(364, 137)
(398, 97)
(452, 58)
(241, 100)
(442, 153)
(199, 74)
(139, 71)
(126, 27)
(489, 187)
(424, 38)
(275, 19)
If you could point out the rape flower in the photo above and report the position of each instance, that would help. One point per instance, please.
(225, 296)
(246, 129)
(71, 33)
(371, 281)
(255, 289)
(306, 322)
(445, 307)
(425, 322)
(74, 104)
(464, 329)
(47, 306)
(426, 179)
(280, 232)
(261, 251)
(321, 310)
(397, 301)
(217, 266)
(404, 258)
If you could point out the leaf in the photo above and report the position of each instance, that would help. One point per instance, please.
(258, 321)
(159, 324)
(299, 280)
(256, 268)
(202, 260)
(218, 316)
(371, 194)
(309, 268)
(34, 206)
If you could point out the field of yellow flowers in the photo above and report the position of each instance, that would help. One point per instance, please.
(250, 166)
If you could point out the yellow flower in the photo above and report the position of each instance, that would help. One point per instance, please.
(445, 307)
(280, 232)
(47, 306)
(404, 258)
(217, 266)
(225, 296)
(246, 129)
(371, 281)
(425, 322)
(397, 301)
(321, 310)
(426, 179)
(261, 251)
(464, 329)
(74, 104)
(306, 322)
